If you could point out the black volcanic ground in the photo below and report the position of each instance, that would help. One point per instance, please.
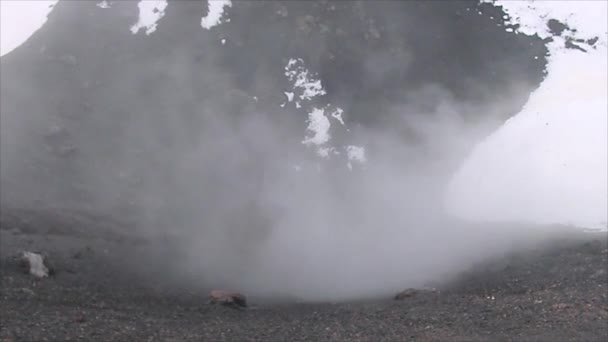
(558, 292)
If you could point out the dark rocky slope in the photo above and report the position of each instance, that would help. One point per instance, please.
(86, 105)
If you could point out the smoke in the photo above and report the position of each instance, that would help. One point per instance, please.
(242, 217)
(242, 203)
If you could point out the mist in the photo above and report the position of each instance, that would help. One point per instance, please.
(243, 217)
(553, 154)
(240, 190)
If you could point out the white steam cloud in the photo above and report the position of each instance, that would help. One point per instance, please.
(548, 164)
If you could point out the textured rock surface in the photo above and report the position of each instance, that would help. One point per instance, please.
(95, 94)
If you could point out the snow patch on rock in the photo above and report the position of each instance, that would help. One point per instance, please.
(303, 80)
(589, 18)
(337, 114)
(215, 13)
(318, 127)
(355, 154)
(150, 12)
(103, 4)
(289, 96)
(306, 86)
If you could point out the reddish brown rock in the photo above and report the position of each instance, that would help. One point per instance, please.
(227, 298)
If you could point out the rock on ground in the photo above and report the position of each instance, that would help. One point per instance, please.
(227, 298)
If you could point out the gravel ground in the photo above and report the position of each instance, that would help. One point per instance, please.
(549, 294)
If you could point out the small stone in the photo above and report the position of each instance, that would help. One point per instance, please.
(407, 293)
(28, 291)
(80, 318)
(560, 306)
(227, 298)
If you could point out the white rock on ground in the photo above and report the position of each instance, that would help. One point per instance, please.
(35, 264)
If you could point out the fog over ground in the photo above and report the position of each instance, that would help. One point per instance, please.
(277, 179)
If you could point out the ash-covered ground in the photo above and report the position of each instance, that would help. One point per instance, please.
(554, 292)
